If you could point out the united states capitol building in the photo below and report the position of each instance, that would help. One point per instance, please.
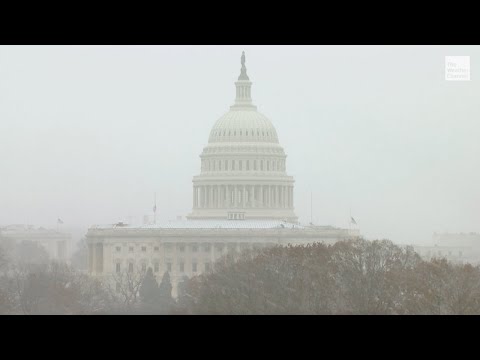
(243, 198)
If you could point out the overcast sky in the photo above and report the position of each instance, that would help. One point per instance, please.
(89, 133)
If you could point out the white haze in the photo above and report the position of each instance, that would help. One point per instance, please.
(89, 133)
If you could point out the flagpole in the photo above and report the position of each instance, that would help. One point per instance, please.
(311, 207)
(155, 210)
(350, 220)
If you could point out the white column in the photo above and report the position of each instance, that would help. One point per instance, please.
(243, 196)
(234, 196)
(210, 196)
(209, 202)
(252, 189)
(291, 200)
(225, 197)
(275, 202)
(271, 194)
(288, 196)
(206, 197)
(214, 196)
(260, 196)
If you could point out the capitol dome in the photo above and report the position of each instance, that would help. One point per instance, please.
(243, 167)
(243, 126)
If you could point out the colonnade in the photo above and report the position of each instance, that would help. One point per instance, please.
(242, 196)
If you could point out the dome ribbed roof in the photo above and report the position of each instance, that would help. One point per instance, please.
(243, 126)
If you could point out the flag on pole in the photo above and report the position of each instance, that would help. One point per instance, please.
(353, 220)
(59, 221)
(155, 210)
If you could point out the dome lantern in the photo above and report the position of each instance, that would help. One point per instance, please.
(243, 99)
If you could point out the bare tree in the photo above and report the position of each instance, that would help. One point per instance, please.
(54, 289)
(125, 287)
(3, 258)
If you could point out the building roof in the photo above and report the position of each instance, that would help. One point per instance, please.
(208, 224)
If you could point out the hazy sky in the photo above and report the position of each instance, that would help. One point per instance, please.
(89, 133)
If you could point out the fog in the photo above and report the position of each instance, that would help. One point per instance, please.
(88, 134)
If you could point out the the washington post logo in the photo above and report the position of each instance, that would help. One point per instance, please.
(457, 68)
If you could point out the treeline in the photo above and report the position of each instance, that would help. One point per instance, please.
(349, 277)
(32, 284)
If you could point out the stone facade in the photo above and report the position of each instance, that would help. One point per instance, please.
(186, 250)
(56, 243)
(455, 247)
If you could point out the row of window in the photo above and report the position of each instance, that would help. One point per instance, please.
(433, 253)
(236, 216)
(247, 165)
(181, 248)
(206, 248)
(246, 132)
(156, 267)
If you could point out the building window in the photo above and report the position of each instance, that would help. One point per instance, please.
(181, 266)
(117, 267)
(144, 267)
(206, 247)
(248, 165)
(240, 165)
(194, 267)
(117, 287)
(169, 266)
(144, 249)
(219, 247)
(118, 248)
(168, 247)
(156, 248)
(207, 266)
(130, 249)
(181, 248)
(156, 266)
(130, 267)
(194, 247)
